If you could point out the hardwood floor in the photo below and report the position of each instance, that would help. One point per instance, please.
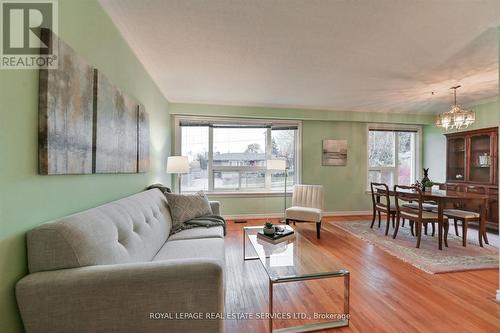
(387, 295)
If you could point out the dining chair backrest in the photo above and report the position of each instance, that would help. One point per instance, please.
(379, 191)
(408, 194)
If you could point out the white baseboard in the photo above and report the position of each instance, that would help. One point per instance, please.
(498, 296)
(278, 215)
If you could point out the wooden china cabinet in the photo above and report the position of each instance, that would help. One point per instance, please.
(472, 165)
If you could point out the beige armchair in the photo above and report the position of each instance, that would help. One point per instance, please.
(307, 205)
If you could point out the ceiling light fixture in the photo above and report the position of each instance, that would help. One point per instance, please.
(456, 118)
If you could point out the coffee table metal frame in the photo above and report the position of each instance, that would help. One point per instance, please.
(308, 327)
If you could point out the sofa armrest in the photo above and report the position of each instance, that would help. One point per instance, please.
(215, 205)
(124, 298)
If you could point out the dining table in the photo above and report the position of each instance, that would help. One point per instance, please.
(444, 198)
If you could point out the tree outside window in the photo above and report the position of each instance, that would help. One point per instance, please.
(392, 156)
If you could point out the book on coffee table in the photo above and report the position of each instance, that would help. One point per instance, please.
(282, 234)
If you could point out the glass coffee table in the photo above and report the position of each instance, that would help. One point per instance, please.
(297, 259)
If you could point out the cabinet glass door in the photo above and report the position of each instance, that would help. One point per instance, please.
(456, 159)
(480, 159)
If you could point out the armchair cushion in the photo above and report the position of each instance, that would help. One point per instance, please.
(304, 214)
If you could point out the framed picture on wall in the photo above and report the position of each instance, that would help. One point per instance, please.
(334, 153)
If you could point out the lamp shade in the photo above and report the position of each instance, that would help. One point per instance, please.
(276, 164)
(177, 164)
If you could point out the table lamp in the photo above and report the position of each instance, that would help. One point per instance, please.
(178, 165)
(279, 165)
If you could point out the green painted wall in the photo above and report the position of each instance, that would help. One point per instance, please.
(345, 187)
(27, 199)
(487, 115)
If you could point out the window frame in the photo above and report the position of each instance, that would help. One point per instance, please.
(268, 191)
(417, 163)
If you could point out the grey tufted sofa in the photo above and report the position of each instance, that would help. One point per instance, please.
(114, 268)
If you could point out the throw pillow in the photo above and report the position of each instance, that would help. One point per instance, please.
(184, 207)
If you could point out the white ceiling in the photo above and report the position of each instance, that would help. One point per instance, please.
(384, 55)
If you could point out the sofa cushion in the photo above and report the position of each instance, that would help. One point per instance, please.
(129, 230)
(211, 248)
(195, 233)
(185, 207)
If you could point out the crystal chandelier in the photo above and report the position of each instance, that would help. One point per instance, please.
(456, 118)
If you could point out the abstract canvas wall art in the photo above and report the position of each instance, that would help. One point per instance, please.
(116, 123)
(334, 153)
(86, 123)
(65, 113)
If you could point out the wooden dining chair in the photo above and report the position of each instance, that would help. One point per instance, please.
(465, 216)
(428, 204)
(419, 216)
(382, 206)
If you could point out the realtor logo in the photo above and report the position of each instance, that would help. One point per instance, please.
(25, 29)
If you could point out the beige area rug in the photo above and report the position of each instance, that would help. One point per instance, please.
(428, 257)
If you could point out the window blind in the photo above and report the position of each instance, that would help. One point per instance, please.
(235, 124)
(411, 130)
